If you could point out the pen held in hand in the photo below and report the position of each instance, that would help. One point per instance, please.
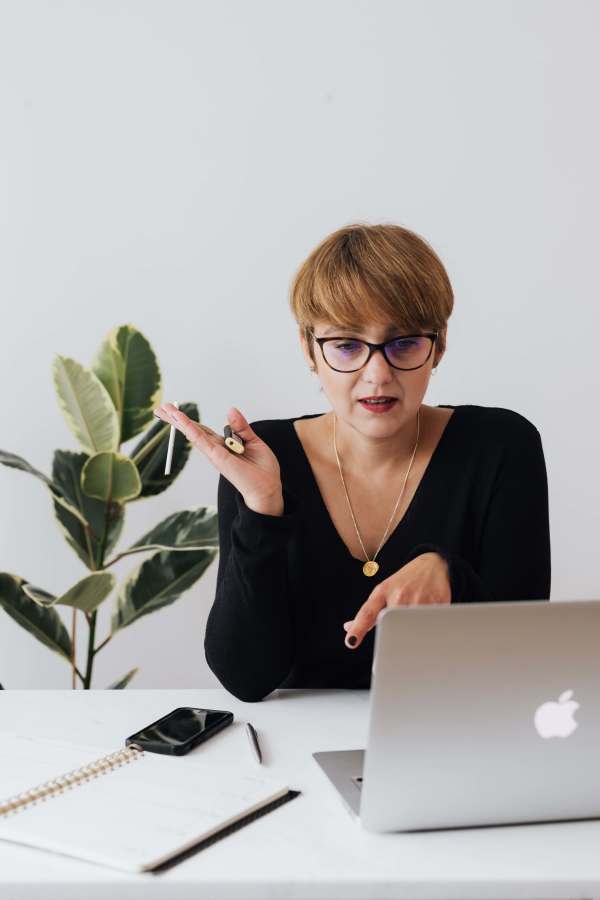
(233, 442)
(170, 446)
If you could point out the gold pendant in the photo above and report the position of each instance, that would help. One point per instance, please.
(370, 567)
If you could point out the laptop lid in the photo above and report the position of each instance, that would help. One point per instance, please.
(483, 714)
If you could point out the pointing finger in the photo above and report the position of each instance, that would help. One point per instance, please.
(364, 620)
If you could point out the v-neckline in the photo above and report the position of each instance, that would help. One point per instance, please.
(426, 475)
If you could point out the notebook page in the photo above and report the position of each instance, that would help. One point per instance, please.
(132, 817)
(23, 765)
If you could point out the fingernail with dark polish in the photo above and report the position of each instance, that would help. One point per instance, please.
(353, 640)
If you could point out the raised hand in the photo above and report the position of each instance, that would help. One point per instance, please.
(255, 473)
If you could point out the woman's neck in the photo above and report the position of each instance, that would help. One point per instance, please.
(377, 457)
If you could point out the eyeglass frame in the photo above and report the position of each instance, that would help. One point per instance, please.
(433, 335)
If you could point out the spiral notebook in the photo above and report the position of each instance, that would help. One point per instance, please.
(127, 809)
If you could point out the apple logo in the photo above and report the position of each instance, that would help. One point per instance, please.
(556, 719)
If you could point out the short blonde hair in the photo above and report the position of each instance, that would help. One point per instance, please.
(372, 273)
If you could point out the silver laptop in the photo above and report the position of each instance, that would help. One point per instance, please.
(481, 714)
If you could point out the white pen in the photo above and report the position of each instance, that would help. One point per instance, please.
(171, 442)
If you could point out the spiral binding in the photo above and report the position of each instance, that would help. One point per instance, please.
(78, 776)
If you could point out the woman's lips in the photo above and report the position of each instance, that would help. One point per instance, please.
(379, 407)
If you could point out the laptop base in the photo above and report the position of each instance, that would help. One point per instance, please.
(344, 770)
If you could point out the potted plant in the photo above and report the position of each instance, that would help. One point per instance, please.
(105, 406)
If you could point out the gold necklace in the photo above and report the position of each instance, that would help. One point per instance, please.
(371, 567)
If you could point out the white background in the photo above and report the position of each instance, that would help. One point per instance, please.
(170, 164)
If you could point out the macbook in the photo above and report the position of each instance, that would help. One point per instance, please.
(480, 714)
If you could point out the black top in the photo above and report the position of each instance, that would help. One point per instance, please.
(286, 584)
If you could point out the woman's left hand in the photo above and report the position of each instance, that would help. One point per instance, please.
(424, 580)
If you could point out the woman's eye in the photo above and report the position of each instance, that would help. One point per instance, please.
(348, 346)
(404, 344)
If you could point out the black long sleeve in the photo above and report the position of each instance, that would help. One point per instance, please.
(286, 584)
(514, 556)
(249, 641)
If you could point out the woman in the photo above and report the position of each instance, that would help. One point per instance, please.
(383, 500)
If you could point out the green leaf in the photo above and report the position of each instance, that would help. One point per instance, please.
(158, 582)
(110, 476)
(44, 624)
(127, 367)
(86, 406)
(86, 595)
(38, 595)
(150, 454)
(17, 462)
(66, 472)
(124, 681)
(189, 529)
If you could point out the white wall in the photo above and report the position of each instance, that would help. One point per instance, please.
(171, 163)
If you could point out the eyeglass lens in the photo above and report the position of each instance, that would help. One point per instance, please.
(348, 354)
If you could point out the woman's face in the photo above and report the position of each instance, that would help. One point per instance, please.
(377, 378)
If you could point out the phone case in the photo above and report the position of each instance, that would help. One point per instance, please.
(179, 749)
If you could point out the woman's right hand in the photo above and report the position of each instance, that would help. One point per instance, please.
(255, 472)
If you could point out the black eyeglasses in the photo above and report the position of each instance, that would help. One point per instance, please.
(406, 352)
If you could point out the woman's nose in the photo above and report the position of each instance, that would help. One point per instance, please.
(378, 368)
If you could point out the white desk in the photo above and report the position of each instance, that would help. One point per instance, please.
(309, 848)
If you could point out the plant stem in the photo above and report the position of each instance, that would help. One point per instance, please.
(103, 644)
(90, 654)
(88, 532)
(91, 617)
(115, 559)
(73, 654)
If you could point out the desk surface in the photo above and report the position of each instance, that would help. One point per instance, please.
(310, 848)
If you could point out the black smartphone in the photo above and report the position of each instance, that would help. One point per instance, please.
(181, 730)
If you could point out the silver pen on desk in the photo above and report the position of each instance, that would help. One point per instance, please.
(253, 738)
